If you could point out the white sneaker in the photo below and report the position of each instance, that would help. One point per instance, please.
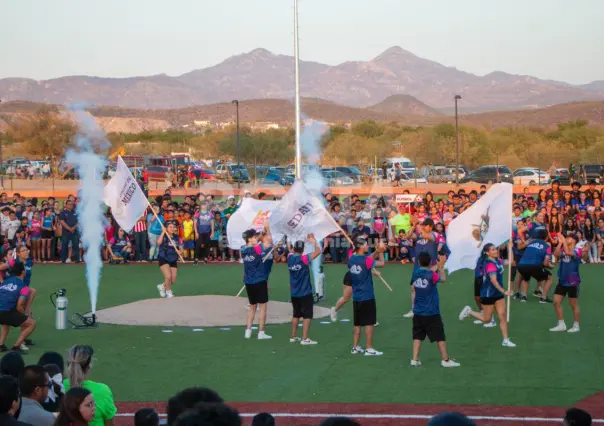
(248, 333)
(294, 340)
(373, 352)
(24, 348)
(169, 294)
(67, 260)
(490, 324)
(465, 312)
(308, 342)
(478, 322)
(574, 329)
(357, 350)
(334, 314)
(559, 327)
(162, 290)
(415, 363)
(377, 324)
(240, 260)
(408, 314)
(450, 363)
(508, 343)
(263, 336)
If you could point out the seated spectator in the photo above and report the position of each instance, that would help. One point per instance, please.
(263, 419)
(450, 419)
(34, 384)
(78, 408)
(339, 421)
(187, 399)
(146, 417)
(120, 247)
(209, 413)
(12, 364)
(79, 362)
(56, 390)
(577, 417)
(10, 402)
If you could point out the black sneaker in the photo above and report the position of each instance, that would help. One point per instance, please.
(545, 300)
(23, 349)
(538, 294)
(523, 299)
(516, 296)
(3, 348)
(29, 342)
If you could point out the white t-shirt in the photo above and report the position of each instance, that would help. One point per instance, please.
(12, 227)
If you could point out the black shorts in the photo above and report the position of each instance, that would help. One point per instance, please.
(537, 272)
(348, 279)
(477, 286)
(431, 326)
(163, 262)
(364, 313)
(47, 235)
(517, 258)
(12, 318)
(571, 292)
(303, 306)
(490, 300)
(257, 293)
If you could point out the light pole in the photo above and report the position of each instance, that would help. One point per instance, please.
(236, 102)
(456, 98)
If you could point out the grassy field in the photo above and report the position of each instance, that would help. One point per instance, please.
(145, 364)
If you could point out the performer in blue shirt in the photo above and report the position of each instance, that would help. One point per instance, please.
(520, 239)
(360, 266)
(569, 280)
(13, 297)
(426, 309)
(301, 289)
(492, 293)
(255, 278)
(168, 258)
(533, 264)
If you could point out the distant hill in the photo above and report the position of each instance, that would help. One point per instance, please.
(405, 105)
(260, 74)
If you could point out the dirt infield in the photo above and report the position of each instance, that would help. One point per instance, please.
(195, 311)
(297, 414)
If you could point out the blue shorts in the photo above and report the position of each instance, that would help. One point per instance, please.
(35, 237)
(189, 245)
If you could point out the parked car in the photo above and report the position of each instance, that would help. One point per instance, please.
(157, 172)
(531, 177)
(239, 175)
(563, 177)
(412, 178)
(196, 174)
(592, 172)
(352, 172)
(335, 178)
(489, 174)
(441, 174)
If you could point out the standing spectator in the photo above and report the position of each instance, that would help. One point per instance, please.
(79, 362)
(10, 402)
(78, 409)
(71, 235)
(553, 171)
(34, 385)
(154, 225)
(140, 240)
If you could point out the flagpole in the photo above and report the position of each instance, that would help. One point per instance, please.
(510, 260)
(298, 163)
(166, 231)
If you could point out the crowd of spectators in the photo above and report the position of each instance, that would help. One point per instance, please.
(51, 393)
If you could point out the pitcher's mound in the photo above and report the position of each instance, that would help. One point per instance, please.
(195, 311)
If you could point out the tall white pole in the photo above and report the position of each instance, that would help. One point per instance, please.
(298, 162)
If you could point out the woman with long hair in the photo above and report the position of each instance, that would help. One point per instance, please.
(47, 234)
(590, 235)
(79, 363)
(492, 293)
(78, 408)
(168, 258)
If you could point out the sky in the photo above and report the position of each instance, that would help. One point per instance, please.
(550, 39)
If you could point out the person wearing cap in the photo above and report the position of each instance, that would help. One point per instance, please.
(256, 281)
(361, 267)
(426, 240)
(301, 289)
(569, 281)
(535, 263)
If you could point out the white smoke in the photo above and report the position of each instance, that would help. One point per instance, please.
(90, 141)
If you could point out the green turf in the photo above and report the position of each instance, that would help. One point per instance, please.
(144, 364)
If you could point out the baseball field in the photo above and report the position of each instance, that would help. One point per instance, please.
(145, 365)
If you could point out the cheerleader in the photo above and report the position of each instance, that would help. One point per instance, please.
(492, 293)
(168, 258)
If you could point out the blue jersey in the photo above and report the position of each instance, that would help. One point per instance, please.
(516, 238)
(535, 253)
(167, 252)
(360, 266)
(479, 271)
(204, 222)
(534, 227)
(253, 269)
(268, 263)
(29, 263)
(430, 247)
(492, 268)
(568, 273)
(11, 289)
(299, 275)
(426, 293)
(47, 221)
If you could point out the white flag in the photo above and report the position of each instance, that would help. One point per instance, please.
(125, 197)
(489, 220)
(300, 213)
(252, 214)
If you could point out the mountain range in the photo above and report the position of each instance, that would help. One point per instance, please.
(260, 74)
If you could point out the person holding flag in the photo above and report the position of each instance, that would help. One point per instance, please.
(301, 289)
(569, 281)
(169, 252)
(360, 266)
(255, 278)
(492, 293)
